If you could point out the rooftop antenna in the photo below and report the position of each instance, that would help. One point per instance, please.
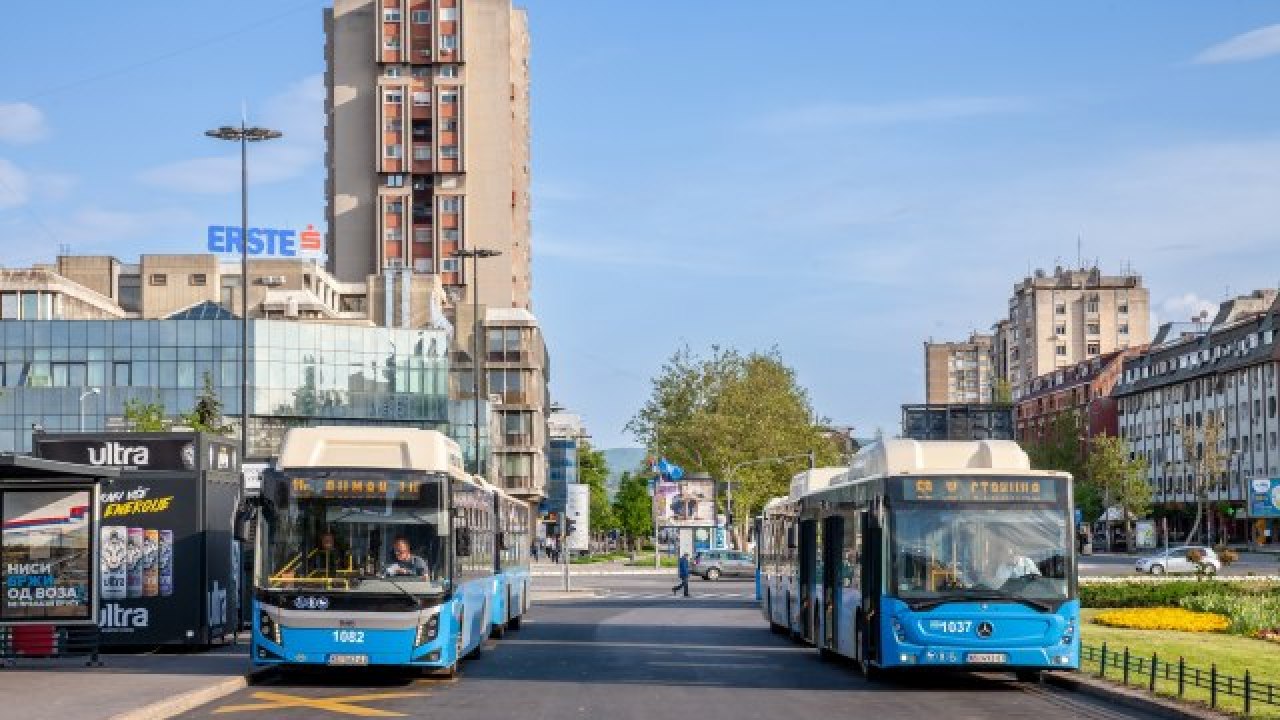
(1079, 252)
(64, 248)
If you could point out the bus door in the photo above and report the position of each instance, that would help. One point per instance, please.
(872, 568)
(832, 546)
(808, 558)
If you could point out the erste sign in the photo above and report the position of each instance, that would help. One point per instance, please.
(278, 242)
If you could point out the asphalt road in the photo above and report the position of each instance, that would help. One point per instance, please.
(1115, 565)
(636, 652)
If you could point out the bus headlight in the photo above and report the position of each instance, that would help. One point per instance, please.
(1068, 635)
(428, 630)
(269, 628)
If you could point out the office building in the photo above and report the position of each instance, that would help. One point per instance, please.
(1070, 317)
(958, 372)
(567, 433)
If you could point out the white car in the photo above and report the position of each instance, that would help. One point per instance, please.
(1175, 560)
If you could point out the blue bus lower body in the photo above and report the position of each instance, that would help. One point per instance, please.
(510, 596)
(435, 637)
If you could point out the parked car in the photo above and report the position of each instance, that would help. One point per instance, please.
(1175, 560)
(712, 564)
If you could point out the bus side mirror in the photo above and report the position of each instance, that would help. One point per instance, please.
(246, 518)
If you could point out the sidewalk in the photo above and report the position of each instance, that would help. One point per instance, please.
(127, 687)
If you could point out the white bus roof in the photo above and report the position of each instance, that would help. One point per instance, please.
(915, 457)
(369, 447)
(809, 481)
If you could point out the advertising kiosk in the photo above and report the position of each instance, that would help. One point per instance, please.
(169, 572)
(49, 558)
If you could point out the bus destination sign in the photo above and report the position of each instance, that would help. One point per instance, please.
(980, 489)
(354, 488)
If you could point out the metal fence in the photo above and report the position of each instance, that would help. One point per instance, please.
(1177, 678)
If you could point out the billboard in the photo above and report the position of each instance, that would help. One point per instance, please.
(1264, 498)
(578, 507)
(265, 242)
(47, 549)
(688, 503)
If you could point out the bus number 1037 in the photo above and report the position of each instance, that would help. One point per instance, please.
(348, 636)
(951, 626)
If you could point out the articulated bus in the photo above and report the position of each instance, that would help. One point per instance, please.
(945, 555)
(373, 548)
(511, 573)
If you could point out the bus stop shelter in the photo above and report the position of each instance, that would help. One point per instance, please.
(49, 557)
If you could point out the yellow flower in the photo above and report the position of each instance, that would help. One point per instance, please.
(1163, 619)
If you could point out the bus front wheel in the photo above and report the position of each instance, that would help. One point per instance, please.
(1029, 676)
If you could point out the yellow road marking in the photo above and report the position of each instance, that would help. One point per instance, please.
(344, 704)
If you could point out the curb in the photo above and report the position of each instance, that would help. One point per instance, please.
(193, 699)
(1131, 697)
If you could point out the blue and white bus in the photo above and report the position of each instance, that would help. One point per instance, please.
(511, 571)
(373, 548)
(927, 554)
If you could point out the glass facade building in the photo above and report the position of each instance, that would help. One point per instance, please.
(299, 374)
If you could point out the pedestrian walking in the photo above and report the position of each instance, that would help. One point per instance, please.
(682, 568)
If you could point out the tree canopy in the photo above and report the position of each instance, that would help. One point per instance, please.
(593, 471)
(633, 508)
(712, 413)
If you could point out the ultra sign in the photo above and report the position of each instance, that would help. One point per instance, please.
(278, 242)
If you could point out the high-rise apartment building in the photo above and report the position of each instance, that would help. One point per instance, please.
(428, 155)
(958, 372)
(428, 142)
(1070, 317)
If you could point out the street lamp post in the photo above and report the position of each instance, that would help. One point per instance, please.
(244, 135)
(83, 395)
(475, 254)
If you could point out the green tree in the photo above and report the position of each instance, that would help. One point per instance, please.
(1202, 452)
(206, 416)
(633, 508)
(1059, 448)
(711, 414)
(593, 471)
(144, 416)
(1002, 392)
(1121, 480)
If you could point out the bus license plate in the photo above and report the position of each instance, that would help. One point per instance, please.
(991, 658)
(348, 659)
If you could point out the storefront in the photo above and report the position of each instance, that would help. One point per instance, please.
(169, 571)
(49, 557)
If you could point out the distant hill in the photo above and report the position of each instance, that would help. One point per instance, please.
(621, 460)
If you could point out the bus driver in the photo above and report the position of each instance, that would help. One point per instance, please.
(1014, 566)
(405, 563)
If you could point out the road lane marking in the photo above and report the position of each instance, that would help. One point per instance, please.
(343, 705)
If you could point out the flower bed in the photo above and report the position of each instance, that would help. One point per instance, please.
(1250, 614)
(1163, 619)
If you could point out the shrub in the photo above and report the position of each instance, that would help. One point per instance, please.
(1145, 593)
(1250, 614)
(1163, 619)
(1226, 555)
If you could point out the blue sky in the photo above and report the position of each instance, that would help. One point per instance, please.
(841, 180)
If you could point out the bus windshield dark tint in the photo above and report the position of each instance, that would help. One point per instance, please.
(966, 551)
(365, 532)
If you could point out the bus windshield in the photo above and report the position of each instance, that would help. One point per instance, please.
(358, 532)
(983, 552)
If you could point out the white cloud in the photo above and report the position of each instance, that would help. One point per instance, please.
(297, 112)
(1253, 45)
(21, 123)
(1181, 308)
(833, 115)
(14, 185)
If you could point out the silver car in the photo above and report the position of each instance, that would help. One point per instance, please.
(712, 564)
(1175, 561)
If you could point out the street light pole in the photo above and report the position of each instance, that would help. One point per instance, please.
(475, 254)
(83, 395)
(244, 135)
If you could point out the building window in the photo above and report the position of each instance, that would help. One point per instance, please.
(1093, 329)
(1060, 330)
(449, 152)
(448, 14)
(391, 14)
(449, 124)
(421, 235)
(395, 180)
(448, 42)
(1122, 308)
(422, 265)
(394, 234)
(394, 151)
(395, 207)
(421, 183)
(448, 71)
(1060, 310)
(1061, 351)
(421, 152)
(449, 96)
(393, 96)
(422, 98)
(449, 234)
(1091, 306)
(421, 17)
(449, 264)
(420, 72)
(1093, 348)
(450, 204)
(392, 71)
(391, 43)
(158, 279)
(198, 279)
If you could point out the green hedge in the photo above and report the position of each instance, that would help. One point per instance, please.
(1165, 594)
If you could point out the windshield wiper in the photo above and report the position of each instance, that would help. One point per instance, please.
(979, 595)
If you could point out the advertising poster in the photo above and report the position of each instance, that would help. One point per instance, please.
(691, 504)
(47, 549)
(1264, 498)
(1145, 534)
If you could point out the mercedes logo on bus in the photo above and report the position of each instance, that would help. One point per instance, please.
(985, 629)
